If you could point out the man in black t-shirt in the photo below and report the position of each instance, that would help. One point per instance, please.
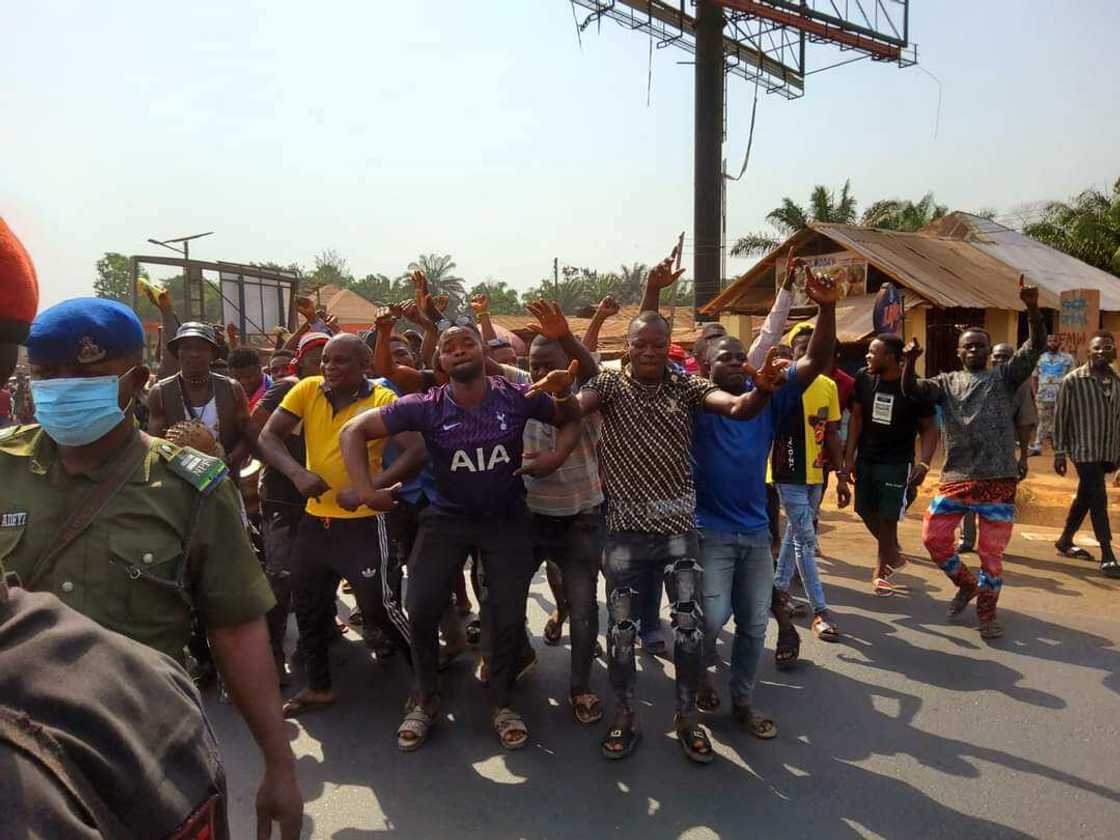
(880, 450)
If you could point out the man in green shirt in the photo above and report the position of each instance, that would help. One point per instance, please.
(134, 531)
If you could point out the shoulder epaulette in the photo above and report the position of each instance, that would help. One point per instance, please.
(18, 440)
(202, 472)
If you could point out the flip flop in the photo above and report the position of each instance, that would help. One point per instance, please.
(297, 706)
(1076, 552)
(1111, 569)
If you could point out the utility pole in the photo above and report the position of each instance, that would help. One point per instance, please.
(708, 169)
(556, 277)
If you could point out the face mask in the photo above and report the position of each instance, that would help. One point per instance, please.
(74, 412)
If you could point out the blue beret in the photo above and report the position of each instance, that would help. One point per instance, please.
(83, 331)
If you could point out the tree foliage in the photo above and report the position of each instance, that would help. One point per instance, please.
(838, 208)
(897, 214)
(1086, 227)
(442, 280)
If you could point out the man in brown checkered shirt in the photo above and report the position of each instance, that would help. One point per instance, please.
(647, 411)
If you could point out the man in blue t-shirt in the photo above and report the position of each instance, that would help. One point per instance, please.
(730, 473)
(473, 429)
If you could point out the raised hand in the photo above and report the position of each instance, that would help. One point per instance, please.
(772, 373)
(608, 307)
(387, 317)
(551, 322)
(821, 290)
(911, 351)
(662, 275)
(419, 282)
(413, 312)
(439, 302)
(480, 304)
(555, 382)
(1028, 294)
(233, 333)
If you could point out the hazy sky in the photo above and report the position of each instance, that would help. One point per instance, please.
(383, 129)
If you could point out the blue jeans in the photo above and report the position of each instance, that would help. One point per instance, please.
(738, 580)
(801, 502)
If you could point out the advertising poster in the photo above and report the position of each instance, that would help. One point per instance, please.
(847, 269)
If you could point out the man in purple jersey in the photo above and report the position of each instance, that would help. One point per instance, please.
(473, 429)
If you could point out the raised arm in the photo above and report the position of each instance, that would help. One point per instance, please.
(480, 305)
(1023, 363)
(406, 379)
(822, 343)
(552, 324)
(608, 307)
(169, 323)
(773, 374)
(661, 276)
(770, 335)
(912, 385)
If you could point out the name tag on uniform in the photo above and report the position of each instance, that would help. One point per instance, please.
(13, 520)
(882, 408)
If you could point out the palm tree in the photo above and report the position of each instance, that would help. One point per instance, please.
(790, 217)
(441, 280)
(1087, 227)
(631, 283)
(896, 214)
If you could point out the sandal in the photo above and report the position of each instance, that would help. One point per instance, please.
(415, 727)
(301, 704)
(882, 587)
(707, 699)
(1076, 552)
(788, 648)
(693, 740)
(1110, 568)
(823, 628)
(990, 629)
(961, 599)
(759, 727)
(622, 738)
(553, 631)
(586, 707)
(511, 729)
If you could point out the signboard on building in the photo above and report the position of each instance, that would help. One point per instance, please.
(847, 269)
(1078, 318)
(889, 312)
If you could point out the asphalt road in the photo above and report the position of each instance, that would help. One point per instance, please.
(912, 727)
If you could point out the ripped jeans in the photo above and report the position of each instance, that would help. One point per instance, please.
(628, 557)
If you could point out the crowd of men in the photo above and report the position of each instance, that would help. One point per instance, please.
(401, 463)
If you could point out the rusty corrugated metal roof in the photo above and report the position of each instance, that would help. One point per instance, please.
(1047, 266)
(946, 271)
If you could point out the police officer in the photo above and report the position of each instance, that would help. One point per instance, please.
(133, 531)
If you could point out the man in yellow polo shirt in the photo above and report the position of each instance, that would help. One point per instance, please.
(333, 542)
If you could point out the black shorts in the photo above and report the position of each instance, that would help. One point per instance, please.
(881, 490)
